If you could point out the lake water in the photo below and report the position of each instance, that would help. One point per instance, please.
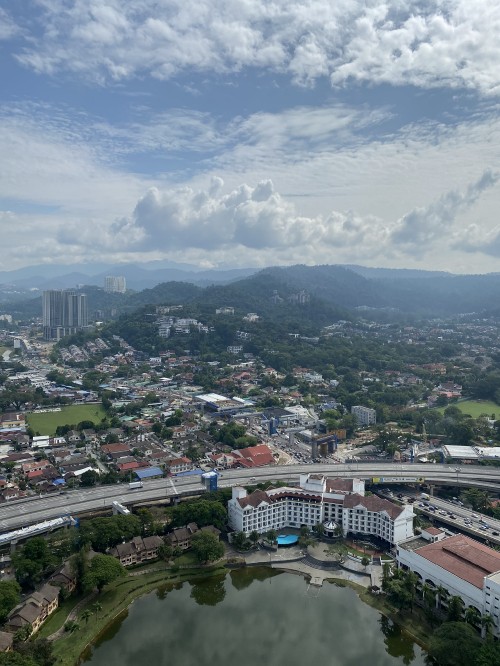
(253, 617)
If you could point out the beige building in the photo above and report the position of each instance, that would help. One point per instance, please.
(35, 609)
(137, 550)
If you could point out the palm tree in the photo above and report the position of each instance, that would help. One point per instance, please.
(319, 528)
(441, 594)
(386, 574)
(272, 536)
(86, 615)
(254, 537)
(410, 582)
(472, 615)
(486, 622)
(427, 591)
(455, 606)
(96, 608)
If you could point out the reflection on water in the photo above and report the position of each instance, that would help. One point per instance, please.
(396, 642)
(253, 615)
(209, 592)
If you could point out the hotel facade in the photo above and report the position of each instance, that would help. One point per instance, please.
(318, 499)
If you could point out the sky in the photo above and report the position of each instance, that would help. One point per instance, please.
(248, 133)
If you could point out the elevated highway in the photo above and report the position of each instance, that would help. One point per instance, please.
(20, 513)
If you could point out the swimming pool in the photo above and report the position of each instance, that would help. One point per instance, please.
(287, 539)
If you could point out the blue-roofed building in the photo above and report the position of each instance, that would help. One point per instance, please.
(149, 473)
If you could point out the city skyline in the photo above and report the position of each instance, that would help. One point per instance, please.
(262, 135)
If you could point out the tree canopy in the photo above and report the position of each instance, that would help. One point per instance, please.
(103, 569)
(206, 546)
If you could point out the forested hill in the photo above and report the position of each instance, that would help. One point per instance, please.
(331, 290)
(410, 292)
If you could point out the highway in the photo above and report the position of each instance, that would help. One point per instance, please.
(20, 513)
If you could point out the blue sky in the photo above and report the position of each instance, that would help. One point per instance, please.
(250, 133)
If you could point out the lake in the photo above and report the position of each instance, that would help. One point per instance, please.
(253, 616)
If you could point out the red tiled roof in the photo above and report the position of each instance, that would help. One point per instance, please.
(34, 474)
(373, 503)
(255, 455)
(125, 467)
(254, 499)
(344, 485)
(115, 448)
(179, 461)
(433, 530)
(463, 557)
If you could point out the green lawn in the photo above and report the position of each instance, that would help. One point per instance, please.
(57, 619)
(476, 407)
(46, 423)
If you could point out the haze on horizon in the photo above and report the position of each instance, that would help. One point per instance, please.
(226, 134)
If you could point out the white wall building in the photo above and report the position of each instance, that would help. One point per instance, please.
(319, 499)
(365, 416)
(464, 567)
(115, 284)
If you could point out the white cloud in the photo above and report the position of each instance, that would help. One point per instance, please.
(330, 194)
(258, 219)
(445, 43)
(8, 28)
(421, 227)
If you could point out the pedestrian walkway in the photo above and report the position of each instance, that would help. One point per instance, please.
(72, 615)
(313, 562)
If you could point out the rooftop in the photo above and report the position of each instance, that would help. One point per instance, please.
(463, 557)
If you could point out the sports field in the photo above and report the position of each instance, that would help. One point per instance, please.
(476, 407)
(46, 423)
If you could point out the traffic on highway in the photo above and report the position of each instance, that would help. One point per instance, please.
(19, 513)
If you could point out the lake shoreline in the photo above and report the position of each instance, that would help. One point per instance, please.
(70, 651)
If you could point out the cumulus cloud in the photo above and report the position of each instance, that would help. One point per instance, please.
(421, 227)
(260, 219)
(451, 44)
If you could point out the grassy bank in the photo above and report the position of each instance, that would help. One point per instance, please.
(115, 600)
(46, 423)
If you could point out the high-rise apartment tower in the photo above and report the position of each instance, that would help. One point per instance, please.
(115, 283)
(64, 312)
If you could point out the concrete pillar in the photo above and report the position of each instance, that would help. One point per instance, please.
(314, 449)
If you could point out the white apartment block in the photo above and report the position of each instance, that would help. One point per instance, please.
(319, 499)
(115, 284)
(365, 416)
(464, 567)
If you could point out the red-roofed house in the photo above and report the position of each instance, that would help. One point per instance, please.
(254, 456)
(177, 465)
(127, 466)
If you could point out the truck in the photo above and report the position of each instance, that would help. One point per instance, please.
(425, 496)
(134, 484)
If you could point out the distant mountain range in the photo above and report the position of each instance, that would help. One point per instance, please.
(410, 292)
(138, 276)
